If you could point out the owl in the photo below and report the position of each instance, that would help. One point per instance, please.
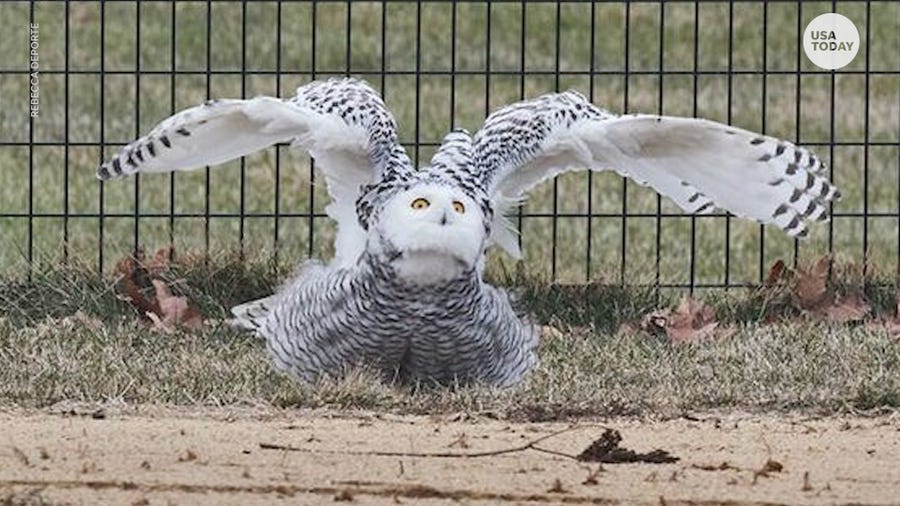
(404, 294)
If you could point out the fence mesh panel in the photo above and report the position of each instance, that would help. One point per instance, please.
(108, 71)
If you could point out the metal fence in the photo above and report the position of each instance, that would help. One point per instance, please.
(107, 71)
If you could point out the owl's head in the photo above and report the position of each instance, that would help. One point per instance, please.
(435, 232)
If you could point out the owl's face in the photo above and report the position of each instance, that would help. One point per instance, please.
(437, 229)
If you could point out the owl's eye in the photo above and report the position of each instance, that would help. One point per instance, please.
(459, 207)
(420, 203)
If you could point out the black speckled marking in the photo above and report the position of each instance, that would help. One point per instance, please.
(810, 208)
(783, 208)
(794, 223)
(165, 140)
(810, 180)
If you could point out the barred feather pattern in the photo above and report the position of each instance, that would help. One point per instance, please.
(328, 321)
(516, 134)
(699, 164)
(358, 104)
(417, 309)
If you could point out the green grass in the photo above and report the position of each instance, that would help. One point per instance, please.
(476, 94)
(68, 336)
(49, 354)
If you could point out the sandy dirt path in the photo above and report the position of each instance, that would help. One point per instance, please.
(150, 455)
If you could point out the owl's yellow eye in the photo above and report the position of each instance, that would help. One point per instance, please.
(420, 203)
(459, 207)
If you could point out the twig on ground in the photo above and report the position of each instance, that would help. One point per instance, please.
(530, 445)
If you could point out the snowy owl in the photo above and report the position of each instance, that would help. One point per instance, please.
(404, 294)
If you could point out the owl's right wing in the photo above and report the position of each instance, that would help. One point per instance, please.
(342, 123)
(697, 163)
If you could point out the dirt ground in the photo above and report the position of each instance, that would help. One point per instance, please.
(150, 455)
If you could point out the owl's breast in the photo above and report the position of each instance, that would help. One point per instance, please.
(329, 322)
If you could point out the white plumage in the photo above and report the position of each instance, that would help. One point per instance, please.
(404, 292)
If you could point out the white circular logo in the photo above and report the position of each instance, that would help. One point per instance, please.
(831, 41)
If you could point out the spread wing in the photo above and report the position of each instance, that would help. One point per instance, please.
(697, 163)
(343, 124)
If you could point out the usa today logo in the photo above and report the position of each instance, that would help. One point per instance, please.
(831, 41)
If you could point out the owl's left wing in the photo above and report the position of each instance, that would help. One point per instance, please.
(342, 123)
(697, 163)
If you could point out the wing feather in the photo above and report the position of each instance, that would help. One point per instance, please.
(697, 163)
(342, 123)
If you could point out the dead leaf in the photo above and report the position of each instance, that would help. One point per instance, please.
(810, 288)
(777, 273)
(656, 322)
(691, 321)
(136, 285)
(151, 296)
(606, 449)
(161, 260)
(848, 308)
(694, 321)
(174, 310)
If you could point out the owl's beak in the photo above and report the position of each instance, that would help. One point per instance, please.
(443, 218)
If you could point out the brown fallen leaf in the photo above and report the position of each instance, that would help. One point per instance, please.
(136, 285)
(655, 322)
(161, 260)
(847, 308)
(174, 311)
(777, 273)
(151, 296)
(810, 289)
(606, 449)
(691, 321)
(694, 321)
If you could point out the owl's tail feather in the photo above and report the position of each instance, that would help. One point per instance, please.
(250, 315)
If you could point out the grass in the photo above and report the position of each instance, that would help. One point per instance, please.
(426, 108)
(65, 335)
